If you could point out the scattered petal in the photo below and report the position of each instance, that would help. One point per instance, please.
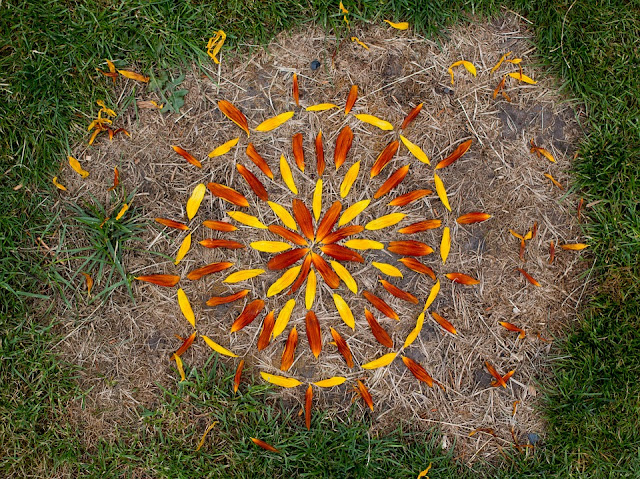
(384, 157)
(186, 344)
(353, 211)
(187, 156)
(58, 185)
(228, 194)
(219, 243)
(513, 327)
(172, 224)
(413, 335)
(283, 318)
(363, 45)
(522, 77)
(308, 397)
(409, 248)
(552, 252)
(237, 377)
(502, 59)
(442, 192)
(528, 277)
(387, 269)
(287, 176)
(193, 203)
(445, 244)
(378, 331)
(404, 200)
(385, 221)
(215, 45)
(473, 217)
(298, 151)
(415, 150)
(363, 244)
(224, 148)
(331, 382)
(270, 246)
(134, 76)
(116, 179)
(420, 226)
(167, 280)
(217, 348)
(398, 293)
(344, 311)
(398, 26)
(235, 115)
(258, 160)
(418, 371)
(243, 275)
(295, 91)
(457, 153)
(314, 336)
(468, 65)
(435, 289)
(343, 145)
(218, 300)
(351, 98)
(185, 307)
(321, 164)
(424, 472)
(247, 315)
(409, 118)
(196, 274)
(415, 265)
(254, 183)
(209, 428)
(317, 200)
(574, 246)
(75, 164)
(495, 374)
(180, 367)
(343, 347)
(394, 180)
(289, 350)
(280, 380)
(541, 151)
(364, 393)
(349, 178)
(375, 121)
(380, 305)
(380, 362)
(218, 225)
(462, 279)
(321, 107)
(267, 329)
(246, 219)
(122, 211)
(263, 444)
(275, 122)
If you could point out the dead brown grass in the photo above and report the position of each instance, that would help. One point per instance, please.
(124, 347)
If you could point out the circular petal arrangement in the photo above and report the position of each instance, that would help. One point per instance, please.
(316, 240)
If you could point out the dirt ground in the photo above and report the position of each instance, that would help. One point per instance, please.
(123, 347)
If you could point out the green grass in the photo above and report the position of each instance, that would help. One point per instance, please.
(48, 89)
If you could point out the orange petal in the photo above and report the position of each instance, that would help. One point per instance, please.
(208, 269)
(218, 300)
(394, 180)
(351, 99)
(420, 226)
(513, 327)
(186, 344)
(286, 259)
(288, 235)
(264, 445)
(116, 179)
(418, 371)
(134, 76)
(343, 347)
(254, 183)
(541, 152)
(227, 194)
(411, 116)
(457, 153)
(219, 225)
(304, 272)
(473, 217)
(247, 315)
(366, 396)
(236, 378)
(160, 279)
(552, 252)
(172, 224)
(329, 276)
(409, 248)
(303, 218)
(187, 156)
(219, 243)
(378, 331)
(234, 115)
(494, 373)
(462, 278)
(499, 87)
(342, 233)
(553, 180)
(384, 158)
(343, 145)
(407, 198)
(295, 91)
(380, 305)
(418, 267)
(528, 277)
(298, 152)
(328, 221)
(341, 253)
(307, 407)
(267, 328)
(88, 281)
(289, 350)
(444, 323)
(320, 154)
(258, 160)
(314, 336)
(398, 293)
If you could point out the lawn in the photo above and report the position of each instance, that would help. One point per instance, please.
(47, 83)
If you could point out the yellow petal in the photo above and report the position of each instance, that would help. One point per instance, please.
(270, 246)
(344, 311)
(363, 244)
(280, 380)
(75, 164)
(310, 292)
(284, 281)
(523, 78)
(275, 122)
(328, 383)
(180, 367)
(342, 9)
(380, 362)
(442, 193)
(134, 76)
(345, 276)
(283, 318)
(432, 295)
(387, 269)
(468, 65)
(122, 211)
(243, 275)
(284, 215)
(357, 40)
(574, 246)
(184, 248)
(58, 185)
(246, 219)
(215, 44)
(321, 107)
(287, 176)
(204, 436)
(415, 150)
(349, 178)
(413, 335)
(185, 307)
(317, 200)
(352, 211)
(385, 221)
(424, 472)
(217, 348)
(398, 26)
(193, 204)
(375, 121)
(445, 244)
(502, 59)
(224, 148)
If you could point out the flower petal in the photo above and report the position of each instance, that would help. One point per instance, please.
(380, 362)
(235, 115)
(224, 148)
(274, 122)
